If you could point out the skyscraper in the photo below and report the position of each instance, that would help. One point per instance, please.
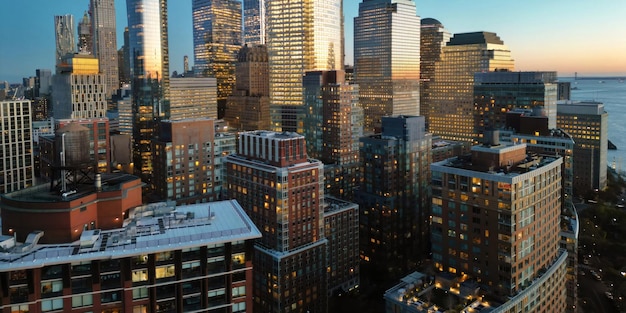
(254, 22)
(451, 99)
(496, 93)
(193, 97)
(496, 220)
(149, 63)
(44, 82)
(216, 41)
(386, 59)
(16, 160)
(302, 35)
(85, 40)
(64, 35)
(433, 37)
(587, 123)
(394, 196)
(281, 189)
(105, 41)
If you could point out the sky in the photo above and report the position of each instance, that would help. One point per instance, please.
(588, 37)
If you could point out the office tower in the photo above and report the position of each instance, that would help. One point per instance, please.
(105, 42)
(387, 59)
(341, 228)
(433, 37)
(496, 221)
(281, 190)
(149, 63)
(78, 88)
(85, 40)
(16, 166)
(302, 35)
(254, 22)
(113, 254)
(496, 93)
(248, 107)
(64, 35)
(330, 105)
(123, 60)
(394, 196)
(564, 90)
(44, 79)
(185, 65)
(99, 141)
(451, 100)
(188, 161)
(587, 123)
(216, 41)
(193, 97)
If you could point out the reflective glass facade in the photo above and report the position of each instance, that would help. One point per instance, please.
(451, 99)
(216, 41)
(433, 38)
(302, 35)
(254, 22)
(64, 35)
(387, 62)
(149, 63)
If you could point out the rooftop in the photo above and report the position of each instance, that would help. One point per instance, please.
(150, 228)
(475, 38)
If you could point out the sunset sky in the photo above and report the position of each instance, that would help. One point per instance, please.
(588, 37)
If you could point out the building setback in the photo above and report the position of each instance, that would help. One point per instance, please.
(281, 189)
(132, 258)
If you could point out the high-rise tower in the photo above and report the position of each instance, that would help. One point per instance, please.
(302, 35)
(433, 37)
(281, 189)
(105, 42)
(149, 63)
(254, 22)
(64, 35)
(85, 40)
(78, 89)
(451, 94)
(216, 41)
(16, 161)
(386, 58)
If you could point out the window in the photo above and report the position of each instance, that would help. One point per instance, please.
(239, 307)
(51, 305)
(239, 291)
(84, 300)
(140, 275)
(165, 271)
(51, 286)
(140, 293)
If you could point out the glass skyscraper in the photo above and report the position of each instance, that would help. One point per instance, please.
(149, 63)
(64, 35)
(302, 35)
(433, 37)
(216, 42)
(254, 22)
(105, 42)
(387, 62)
(451, 94)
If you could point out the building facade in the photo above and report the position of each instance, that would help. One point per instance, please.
(496, 221)
(149, 63)
(496, 93)
(216, 40)
(248, 108)
(154, 258)
(188, 161)
(193, 97)
(85, 40)
(433, 37)
(104, 32)
(394, 196)
(341, 228)
(302, 35)
(79, 89)
(254, 22)
(451, 95)
(17, 162)
(386, 59)
(281, 189)
(64, 35)
(587, 123)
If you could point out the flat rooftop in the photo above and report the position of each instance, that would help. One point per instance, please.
(149, 229)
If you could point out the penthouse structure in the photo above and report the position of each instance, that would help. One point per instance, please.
(496, 221)
(281, 189)
(132, 258)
